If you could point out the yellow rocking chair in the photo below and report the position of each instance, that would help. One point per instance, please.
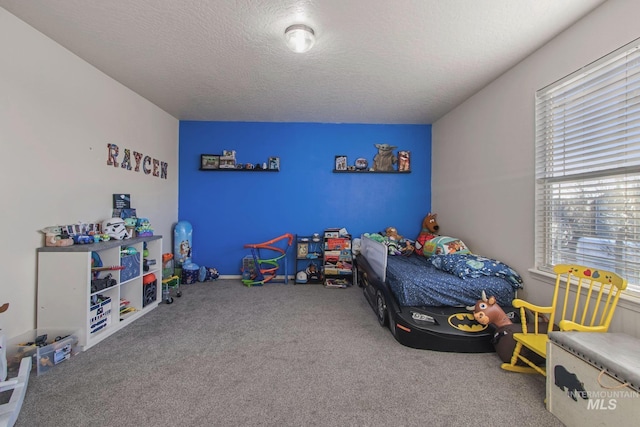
(584, 298)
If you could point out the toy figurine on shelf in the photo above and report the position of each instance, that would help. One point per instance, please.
(384, 160)
(115, 228)
(54, 236)
(143, 227)
(313, 273)
(130, 225)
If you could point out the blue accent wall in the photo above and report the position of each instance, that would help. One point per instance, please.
(230, 209)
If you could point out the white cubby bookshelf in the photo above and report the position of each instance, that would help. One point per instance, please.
(64, 287)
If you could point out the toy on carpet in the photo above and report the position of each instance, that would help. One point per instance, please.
(488, 312)
(207, 274)
(264, 262)
(169, 279)
(182, 243)
(384, 160)
(430, 243)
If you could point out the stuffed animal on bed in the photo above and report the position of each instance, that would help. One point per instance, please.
(430, 243)
(429, 230)
(397, 244)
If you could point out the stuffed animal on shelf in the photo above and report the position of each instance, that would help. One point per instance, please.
(488, 312)
(385, 159)
(55, 237)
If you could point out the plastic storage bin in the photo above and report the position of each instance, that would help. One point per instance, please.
(61, 346)
(55, 353)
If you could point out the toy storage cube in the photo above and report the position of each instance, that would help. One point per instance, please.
(100, 316)
(578, 393)
(149, 289)
(131, 264)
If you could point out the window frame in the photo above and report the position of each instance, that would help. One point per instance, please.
(569, 123)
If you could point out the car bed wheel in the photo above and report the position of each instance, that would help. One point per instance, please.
(381, 309)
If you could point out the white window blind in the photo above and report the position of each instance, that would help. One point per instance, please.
(588, 167)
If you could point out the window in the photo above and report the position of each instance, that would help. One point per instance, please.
(588, 167)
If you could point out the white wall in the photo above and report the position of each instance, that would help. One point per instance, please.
(57, 115)
(483, 151)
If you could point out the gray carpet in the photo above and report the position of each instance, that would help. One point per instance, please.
(285, 355)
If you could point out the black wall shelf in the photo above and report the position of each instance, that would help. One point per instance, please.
(366, 171)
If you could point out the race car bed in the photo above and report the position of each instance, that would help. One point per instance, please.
(423, 300)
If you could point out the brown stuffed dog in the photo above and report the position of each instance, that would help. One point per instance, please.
(429, 230)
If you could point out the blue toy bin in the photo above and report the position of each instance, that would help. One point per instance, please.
(190, 273)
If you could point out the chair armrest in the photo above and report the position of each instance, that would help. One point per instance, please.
(539, 317)
(568, 325)
(519, 303)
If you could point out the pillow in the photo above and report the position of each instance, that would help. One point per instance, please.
(474, 266)
(441, 245)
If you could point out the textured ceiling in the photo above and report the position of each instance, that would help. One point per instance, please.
(375, 61)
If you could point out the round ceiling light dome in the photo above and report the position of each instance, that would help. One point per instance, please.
(299, 37)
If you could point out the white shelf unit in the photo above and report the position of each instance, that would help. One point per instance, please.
(64, 287)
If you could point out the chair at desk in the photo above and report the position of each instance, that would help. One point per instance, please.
(584, 300)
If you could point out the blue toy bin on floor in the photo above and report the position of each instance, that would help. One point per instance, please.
(190, 273)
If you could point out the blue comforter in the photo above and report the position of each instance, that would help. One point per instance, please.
(416, 282)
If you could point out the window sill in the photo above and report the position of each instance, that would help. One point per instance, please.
(629, 300)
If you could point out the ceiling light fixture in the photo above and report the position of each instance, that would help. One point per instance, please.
(299, 37)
